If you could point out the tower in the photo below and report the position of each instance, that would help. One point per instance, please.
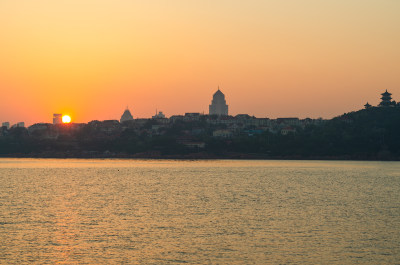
(218, 104)
(386, 99)
(57, 118)
(126, 116)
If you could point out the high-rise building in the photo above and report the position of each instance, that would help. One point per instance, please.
(126, 116)
(57, 118)
(6, 124)
(21, 124)
(218, 104)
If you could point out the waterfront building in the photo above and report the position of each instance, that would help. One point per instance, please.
(57, 118)
(126, 116)
(218, 104)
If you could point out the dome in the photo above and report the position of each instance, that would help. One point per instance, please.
(218, 94)
(127, 116)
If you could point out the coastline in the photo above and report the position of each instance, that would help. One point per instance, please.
(201, 156)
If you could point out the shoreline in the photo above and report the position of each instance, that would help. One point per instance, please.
(202, 156)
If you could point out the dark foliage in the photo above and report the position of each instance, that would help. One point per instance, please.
(366, 134)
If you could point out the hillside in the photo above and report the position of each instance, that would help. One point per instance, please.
(369, 134)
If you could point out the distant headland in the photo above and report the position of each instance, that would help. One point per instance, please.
(368, 134)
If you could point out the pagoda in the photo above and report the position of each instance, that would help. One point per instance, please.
(367, 106)
(386, 99)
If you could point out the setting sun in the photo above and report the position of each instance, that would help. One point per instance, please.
(66, 119)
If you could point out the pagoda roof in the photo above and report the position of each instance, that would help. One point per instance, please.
(386, 93)
(367, 106)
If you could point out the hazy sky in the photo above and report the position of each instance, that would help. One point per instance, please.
(271, 58)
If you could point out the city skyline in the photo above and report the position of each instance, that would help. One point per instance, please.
(217, 107)
(198, 132)
(271, 58)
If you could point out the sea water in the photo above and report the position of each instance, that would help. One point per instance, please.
(69, 211)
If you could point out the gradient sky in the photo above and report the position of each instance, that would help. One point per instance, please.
(271, 58)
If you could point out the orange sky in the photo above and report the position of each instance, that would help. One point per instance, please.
(271, 58)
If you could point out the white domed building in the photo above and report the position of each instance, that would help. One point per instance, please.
(218, 104)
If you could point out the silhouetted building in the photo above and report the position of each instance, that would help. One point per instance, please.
(19, 125)
(192, 116)
(159, 115)
(367, 106)
(57, 118)
(386, 99)
(218, 104)
(109, 126)
(243, 116)
(127, 116)
(289, 121)
(175, 118)
(6, 124)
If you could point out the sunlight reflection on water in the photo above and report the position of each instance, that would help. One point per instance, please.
(223, 211)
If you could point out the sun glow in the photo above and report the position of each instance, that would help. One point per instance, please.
(66, 119)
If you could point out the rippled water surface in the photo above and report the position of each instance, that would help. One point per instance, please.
(199, 212)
